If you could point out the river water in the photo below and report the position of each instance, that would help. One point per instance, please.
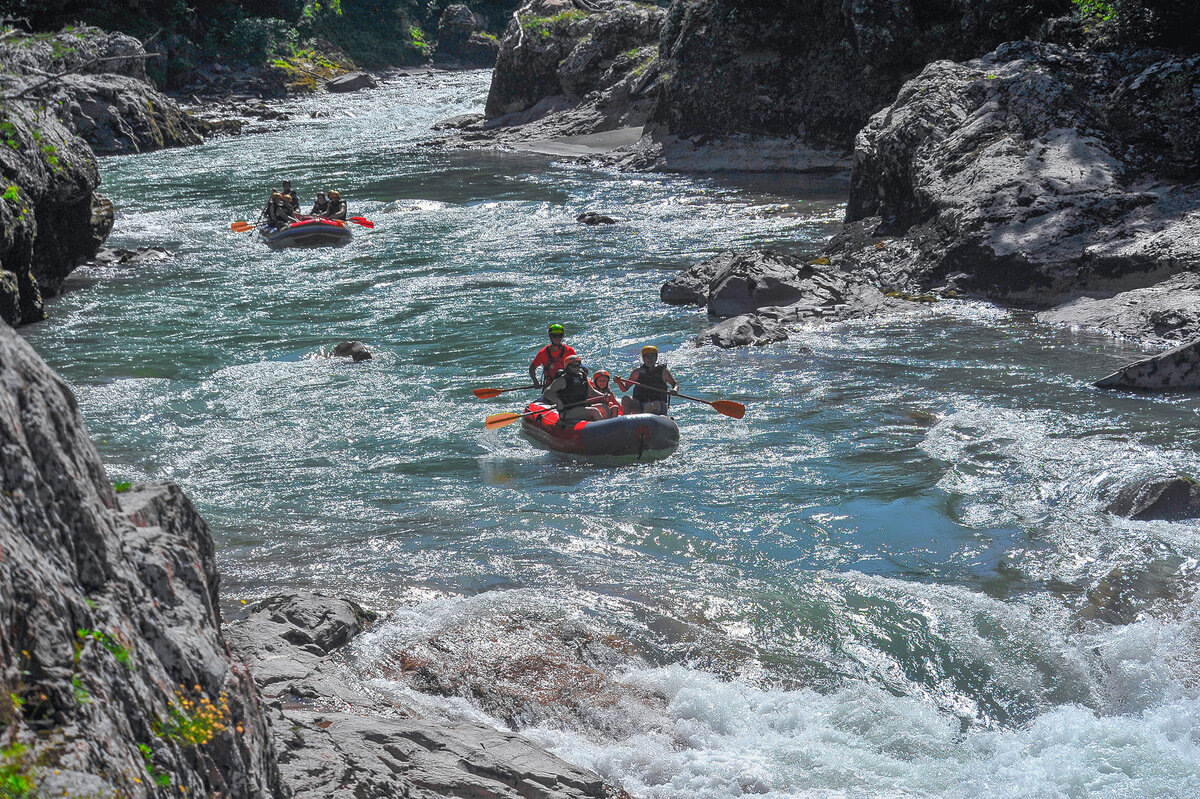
(875, 585)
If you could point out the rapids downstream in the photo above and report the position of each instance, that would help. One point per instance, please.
(888, 580)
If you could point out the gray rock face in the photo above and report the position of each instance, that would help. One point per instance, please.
(587, 54)
(108, 606)
(1173, 499)
(1176, 369)
(108, 102)
(51, 218)
(1165, 312)
(1021, 177)
(354, 350)
(338, 741)
(460, 41)
(351, 82)
(814, 69)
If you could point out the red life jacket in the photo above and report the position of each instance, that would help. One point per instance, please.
(555, 363)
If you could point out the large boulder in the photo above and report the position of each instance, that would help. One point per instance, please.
(107, 100)
(51, 217)
(1016, 177)
(350, 82)
(1176, 369)
(1172, 499)
(109, 616)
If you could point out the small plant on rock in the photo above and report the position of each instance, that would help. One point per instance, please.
(193, 722)
(17, 780)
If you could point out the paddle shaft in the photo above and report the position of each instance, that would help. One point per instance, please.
(488, 393)
(726, 407)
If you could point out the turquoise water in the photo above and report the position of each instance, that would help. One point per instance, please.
(873, 585)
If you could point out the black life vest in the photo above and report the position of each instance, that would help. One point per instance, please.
(576, 389)
(655, 380)
(320, 208)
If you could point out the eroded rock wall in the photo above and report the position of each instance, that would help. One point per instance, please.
(110, 635)
(816, 69)
(1024, 177)
(51, 125)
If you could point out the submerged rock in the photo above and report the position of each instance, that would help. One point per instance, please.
(1175, 369)
(354, 350)
(109, 256)
(767, 292)
(593, 218)
(1173, 499)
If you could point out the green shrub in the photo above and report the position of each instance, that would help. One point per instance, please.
(17, 780)
(258, 39)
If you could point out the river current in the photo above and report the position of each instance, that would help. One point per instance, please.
(896, 577)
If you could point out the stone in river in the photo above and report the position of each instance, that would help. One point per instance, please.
(351, 82)
(1174, 499)
(593, 218)
(355, 350)
(1175, 369)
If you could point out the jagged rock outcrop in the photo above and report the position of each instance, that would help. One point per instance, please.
(340, 742)
(106, 99)
(108, 607)
(767, 292)
(1176, 369)
(460, 40)
(1022, 176)
(567, 71)
(51, 217)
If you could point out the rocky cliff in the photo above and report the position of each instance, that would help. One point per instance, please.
(814, 69)
(116, 678)
(51, 218)
(1030, 174)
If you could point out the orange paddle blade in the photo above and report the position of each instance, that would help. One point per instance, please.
(487, 393)
(360, 220)
(241, 227)
(498, 420)
(730, 408)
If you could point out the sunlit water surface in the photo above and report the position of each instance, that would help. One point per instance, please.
(873, 585)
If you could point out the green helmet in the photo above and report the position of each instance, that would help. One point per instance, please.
(557, 330)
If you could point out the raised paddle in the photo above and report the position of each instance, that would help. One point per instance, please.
(362, 220)
(728, 407)
(488, 393)
(498, 420)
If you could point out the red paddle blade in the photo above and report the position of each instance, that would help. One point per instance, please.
(498, 420)
(359, 220)
(730, 408)
(241, 227)
(487, 393)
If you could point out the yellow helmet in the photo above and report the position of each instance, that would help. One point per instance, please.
(337, 195)
(649, 349)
